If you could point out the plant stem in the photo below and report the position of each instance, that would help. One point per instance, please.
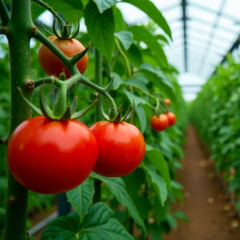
(125, 59)
(49, 9)
(18, 35)
(4, 13)
(98, 116)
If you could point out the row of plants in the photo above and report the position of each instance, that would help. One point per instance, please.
(215, 114)
(120, 180)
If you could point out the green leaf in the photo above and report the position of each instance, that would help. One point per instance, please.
(126, 38)
(151, 10)
(162, 38)
(104, 4)
(131, 97)
(117, 187)
(135, 55)
(119, 21)
(141, 117)
(142, 34)
(139, 81)
(158, 183)
(176, 185)
(81, 197)
(100, 28)
(98, 224)
(157, 77)
(117, 80)
(157, 159)
(171, 221)
(181, 215)
(63, 228)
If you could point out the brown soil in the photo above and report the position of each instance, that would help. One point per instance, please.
(210, 213)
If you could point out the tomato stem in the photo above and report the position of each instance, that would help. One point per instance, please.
(18, 33)
(50, 9)
(4, 13)
(125, 59)
(98, 115)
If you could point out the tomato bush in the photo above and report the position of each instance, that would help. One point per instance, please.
(160, 122)
(49, 156)
(52, 65)
(121, 148)
(215, 114)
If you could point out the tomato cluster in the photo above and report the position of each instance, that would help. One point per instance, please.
(50, 156)
(54, 156)
(162, 121)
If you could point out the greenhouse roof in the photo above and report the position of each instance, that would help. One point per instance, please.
(203, 33)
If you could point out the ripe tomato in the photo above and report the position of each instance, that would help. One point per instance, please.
(171, 118)
(167, 101)
(159, 123)
(48, 156)
(52, 65)
(121, 148)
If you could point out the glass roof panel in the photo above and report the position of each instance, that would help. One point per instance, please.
(164, 5)
(212, 4)
(199, 25)
(173, 14)
(198, 36)
(232, 7)
(231, 24)
(193, 12)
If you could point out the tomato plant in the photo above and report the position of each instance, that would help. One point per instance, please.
(121, 148)
(49, 156)
(171, 118)
(52, 65)
(160, 122)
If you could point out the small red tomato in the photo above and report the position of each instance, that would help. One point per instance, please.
(159, 123)
(167, 101)
(121, 148)
(52, 65)
(171, 118)
(48, 156)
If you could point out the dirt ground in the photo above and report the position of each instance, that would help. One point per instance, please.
(210, 214)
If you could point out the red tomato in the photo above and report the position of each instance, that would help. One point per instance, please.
(171, 118)
(48, 156)
(167, 101)
(159, 123)
(52, 65)
(121, 148)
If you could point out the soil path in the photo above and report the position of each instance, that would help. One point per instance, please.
(210, 214)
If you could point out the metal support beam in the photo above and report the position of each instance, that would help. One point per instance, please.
(211, 36)
(235, 45)
(184, 19)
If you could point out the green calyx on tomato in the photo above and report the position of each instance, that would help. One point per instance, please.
(54, 156)
(159, 122)
(64, 30)
(121, 148)
(61, 111)
(118, 117)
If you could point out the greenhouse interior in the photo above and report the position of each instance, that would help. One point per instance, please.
(119, 120)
